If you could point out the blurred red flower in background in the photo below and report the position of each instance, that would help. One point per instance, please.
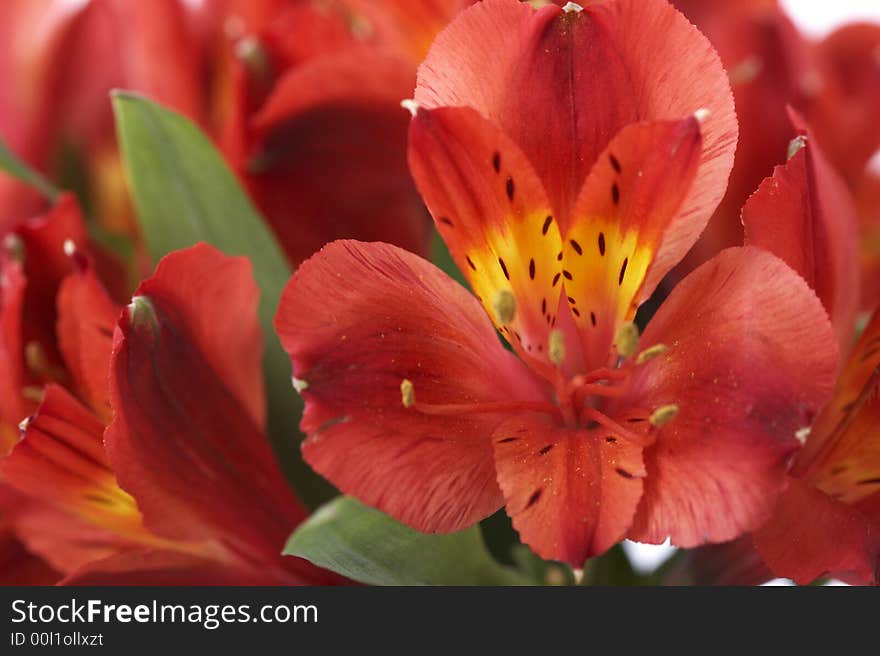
(834, 84)
(302, 95)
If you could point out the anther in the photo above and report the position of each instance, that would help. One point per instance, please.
(35, 358)
(556, 347)
(663, 415)
(14, 247)
(143, 315)
(299, 384)
(701, 114)
(251, 52)
(651, 353)
(627, 339)
(504, 304)
(796, 144)
(407, 393)
(572, 8)
(802, 434)
(410, 105)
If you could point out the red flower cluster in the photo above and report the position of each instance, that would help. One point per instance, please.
(609, 374)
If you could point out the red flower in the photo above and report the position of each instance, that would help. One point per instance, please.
(833, 84)
(200, 498)
(562, 158)
(316, 108)
(303, 96)
(828, 520)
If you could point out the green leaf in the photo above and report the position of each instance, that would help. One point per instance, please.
(368, 546)
(185, 193)
(18, 169)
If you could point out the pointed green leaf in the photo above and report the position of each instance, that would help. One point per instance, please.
(185, 193)
(18, 169)
(368, 546)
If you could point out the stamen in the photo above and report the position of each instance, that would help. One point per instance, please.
(796, 144)
(36, 359)
(556, 347)
(407, 393)
(410, 105)
(299, 384)
(572, 8)
(454, 409)
(627, 339)
(663, 415)
(14, 247)
(250, 51)
(504, 305)
(651, 353)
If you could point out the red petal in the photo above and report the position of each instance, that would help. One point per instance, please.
(404, 26)
(805, 215)
(155, 567)
(336, 121)
(63, 540)
(164, 568)
(18, 566)
(842, 454)
(494, 215)
(751, 358)
(186, 391)
(810, 535)
(571, 494)
(626, 230)
(845, 111)
(730, 563)
(867, 194)
(61, 461)
(769, 65)
(357, 319)
(13, 406)
(86, 321)
(614, 63)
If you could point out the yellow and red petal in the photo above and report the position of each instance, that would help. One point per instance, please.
(492, 212)
(60, 460)
(588, 74)
(359, 319)
(750, 360)
(86, 320)
(805, 215)
(186, 438)
(626, 230)
(571, 493)
(810, 535)
(841, 456)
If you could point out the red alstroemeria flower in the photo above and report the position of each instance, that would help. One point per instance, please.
(834, 84)
(200, 498)
(828, 520)
(33, 265)
(559, 155)
(60, 62)
(315, 93)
